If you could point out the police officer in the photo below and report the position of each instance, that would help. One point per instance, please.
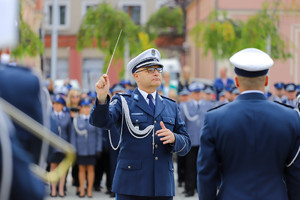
(87, 141)
(151, 131)
(64, 124)
(252, 144)
(279, 92)
(290, 92)
(190, 114)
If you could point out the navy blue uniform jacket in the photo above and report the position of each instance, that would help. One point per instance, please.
(249, 143)
(21, 87)
(139, 171)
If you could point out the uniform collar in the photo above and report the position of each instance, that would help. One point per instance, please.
(84, 116)
(252, 91)
(58, 113)
(251, 95)
(145, 94)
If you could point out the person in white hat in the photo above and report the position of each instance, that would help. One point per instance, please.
(249, 148)
(151, 130)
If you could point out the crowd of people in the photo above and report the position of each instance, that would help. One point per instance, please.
(94, 148)
(75, 118)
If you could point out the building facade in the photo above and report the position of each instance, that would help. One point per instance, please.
(289, 26)
(86, 66)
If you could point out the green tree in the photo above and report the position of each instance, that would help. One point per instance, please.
(29, 42)
(101, 27)
(166, 20)
(225, 37)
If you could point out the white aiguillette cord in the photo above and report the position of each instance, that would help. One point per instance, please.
(187, 114)
(139, 134)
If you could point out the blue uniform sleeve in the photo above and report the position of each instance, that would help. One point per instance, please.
(182, 140)
(106, 115)
(293, 168)
(207, 165)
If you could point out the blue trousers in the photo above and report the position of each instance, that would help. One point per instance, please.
(130, 197)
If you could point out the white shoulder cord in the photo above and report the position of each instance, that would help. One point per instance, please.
(133, 131)
(7, 162)
(79, 132)
(186, 113)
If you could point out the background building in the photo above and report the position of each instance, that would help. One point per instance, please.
(86, 66)
(289, 26)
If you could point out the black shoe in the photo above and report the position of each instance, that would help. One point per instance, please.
(81, 196)
(112, 195)
(97, 189)
(189, 194)
(180, 184)
(108, 192)
(53, 195)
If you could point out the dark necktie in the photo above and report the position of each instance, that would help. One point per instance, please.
(151, 104)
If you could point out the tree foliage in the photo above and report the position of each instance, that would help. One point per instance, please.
(102, 25)
(29, 42)
(165, 20)
(225, 37)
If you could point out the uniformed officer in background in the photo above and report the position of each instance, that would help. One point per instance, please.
(151, 132)
(252, 144)
(290, 92)
(279, 92)
(190, 114)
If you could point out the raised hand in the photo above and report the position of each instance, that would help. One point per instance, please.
(102, 88)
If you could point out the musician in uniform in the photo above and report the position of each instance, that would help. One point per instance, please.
(251, 144)
(151, 131)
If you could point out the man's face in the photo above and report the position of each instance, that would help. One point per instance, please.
(196, 96)
(291, 95)
(279, 92)
(146, 78)
(184, 98)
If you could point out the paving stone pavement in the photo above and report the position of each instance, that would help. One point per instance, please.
(71, 194)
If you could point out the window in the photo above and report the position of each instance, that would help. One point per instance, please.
(136, 9)
(134, 12)
(91, 71)
(63, 14)
(62, 68)
(85, 5)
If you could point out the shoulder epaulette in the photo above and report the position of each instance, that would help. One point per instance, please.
(125, 94)
(168, 98)
(219, 106)
(284, 104)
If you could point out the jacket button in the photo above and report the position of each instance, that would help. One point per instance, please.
(137, 120)
(156, 146)
(156, 158)
(129, 166)
(154, 121)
